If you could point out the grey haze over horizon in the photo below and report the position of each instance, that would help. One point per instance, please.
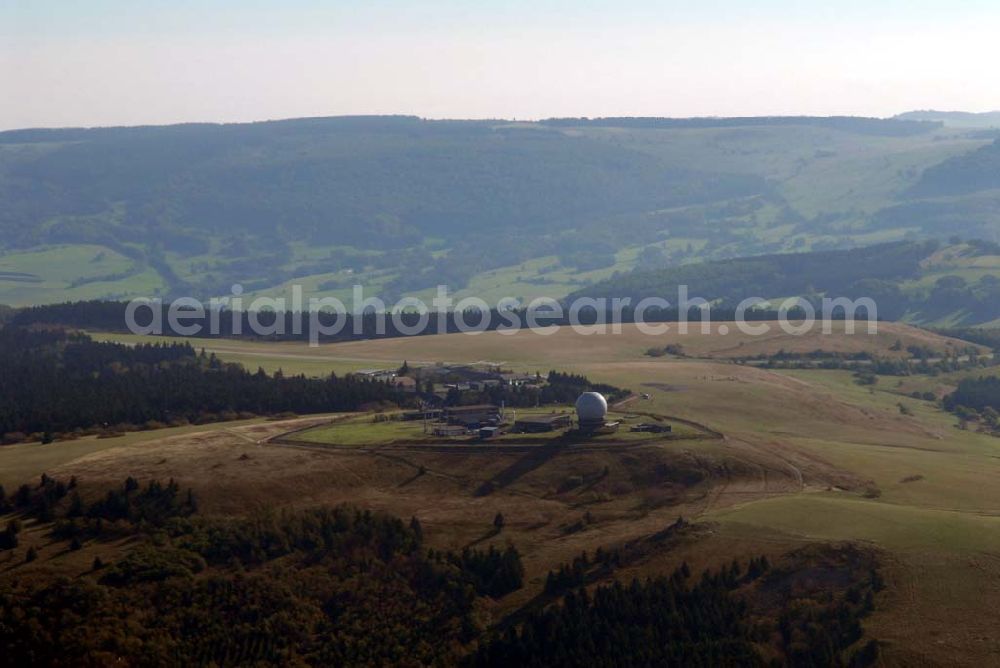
(118, 63)
(993, 116)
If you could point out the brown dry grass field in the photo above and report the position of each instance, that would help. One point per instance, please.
(563, 347)
(807, 457)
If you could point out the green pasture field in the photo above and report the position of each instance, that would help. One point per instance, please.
(51, 271)
(363, 430)
(375, 429)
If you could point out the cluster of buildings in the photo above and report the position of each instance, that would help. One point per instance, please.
(475, 378)
(488, 420)
(404, 383)
(438, 384)
(443, 377)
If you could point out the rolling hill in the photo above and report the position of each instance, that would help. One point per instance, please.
(968, 119)
(402, 204)
(922, 282)
(970, 173)
(811, 459)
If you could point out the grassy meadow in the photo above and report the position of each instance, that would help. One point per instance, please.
(70, 272)
(383, 429)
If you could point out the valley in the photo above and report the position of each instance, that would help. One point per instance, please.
(499, 335)
(636, 195)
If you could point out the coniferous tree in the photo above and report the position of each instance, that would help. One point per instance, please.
(417, 529)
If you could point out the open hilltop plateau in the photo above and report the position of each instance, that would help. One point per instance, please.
(765, 459)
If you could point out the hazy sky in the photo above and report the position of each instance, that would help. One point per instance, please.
(112, 62)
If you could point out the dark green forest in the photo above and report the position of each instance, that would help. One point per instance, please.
(54, 383)
(874, 271)
(674, 621)
(975, 171)
(979, 394)
(989, 337)
(109, 316)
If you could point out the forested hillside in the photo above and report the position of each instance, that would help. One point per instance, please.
(343, 586)
(372, 183)
(323, 587)
(920, 281)
(402, 204)
(368, 183)
(973, 172)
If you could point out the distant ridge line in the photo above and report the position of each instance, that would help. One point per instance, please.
(888, 126)
(860, 124)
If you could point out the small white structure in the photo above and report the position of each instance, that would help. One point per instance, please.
(591, 409)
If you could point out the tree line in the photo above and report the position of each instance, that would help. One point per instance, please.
(54, 383)
(109, 316)
(981, 395)
(876, 272)
(677, 620)
(559, 388)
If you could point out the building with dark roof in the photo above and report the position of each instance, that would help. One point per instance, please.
(535, 424)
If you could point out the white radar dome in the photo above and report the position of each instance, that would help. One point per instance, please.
(591, 407)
